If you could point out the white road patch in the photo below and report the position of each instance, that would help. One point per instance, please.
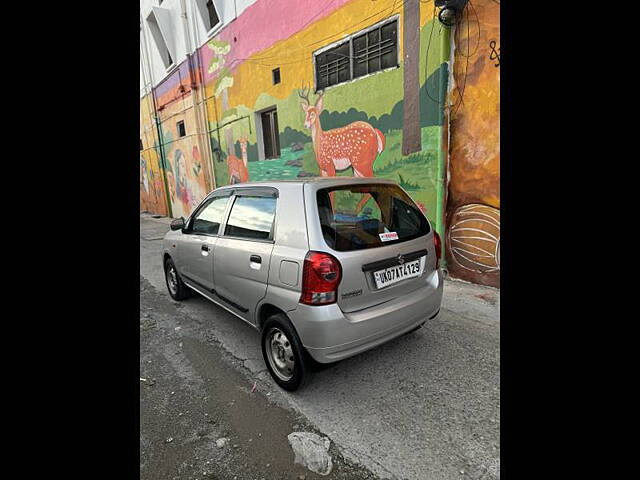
(221, 442)
(311, 451)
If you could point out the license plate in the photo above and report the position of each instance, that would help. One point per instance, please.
(391, 275)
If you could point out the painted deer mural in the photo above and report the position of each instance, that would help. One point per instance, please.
(238, 171)
(356, 145)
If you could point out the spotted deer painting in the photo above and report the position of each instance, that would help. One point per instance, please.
(356, 145)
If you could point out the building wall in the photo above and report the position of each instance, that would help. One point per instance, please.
(228, 10)
(220, 89)
(238, 64)
(152, 188)
(473, 201)
(188, 176)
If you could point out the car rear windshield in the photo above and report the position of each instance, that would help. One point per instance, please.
(354, 217)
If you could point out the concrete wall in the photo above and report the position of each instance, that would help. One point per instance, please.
(228, 10)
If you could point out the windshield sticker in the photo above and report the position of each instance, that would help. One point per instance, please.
(385, 237)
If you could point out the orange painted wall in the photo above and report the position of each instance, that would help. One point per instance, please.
(473, 202)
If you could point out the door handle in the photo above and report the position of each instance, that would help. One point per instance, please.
(205, 248)
(255, 259)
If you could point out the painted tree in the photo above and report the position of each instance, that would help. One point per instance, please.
(224, 80)
(411, 138)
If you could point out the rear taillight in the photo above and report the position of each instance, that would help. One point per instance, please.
(321, 276)
(438, 245)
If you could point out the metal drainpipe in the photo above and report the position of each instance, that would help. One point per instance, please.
(163, 154)
(164, 160)
(446, 44)
(206, 115)
(201, 94)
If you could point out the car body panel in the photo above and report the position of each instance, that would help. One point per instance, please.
(329, 334)
(357, 289)
(355, 323)
(195, 258)
(242, 283)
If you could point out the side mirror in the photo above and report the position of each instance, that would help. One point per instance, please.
(177, 224)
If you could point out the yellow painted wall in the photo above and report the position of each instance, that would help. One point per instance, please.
(152, 191)
(473, 203)
(293, 55)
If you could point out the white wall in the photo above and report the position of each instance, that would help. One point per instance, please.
(151, 59)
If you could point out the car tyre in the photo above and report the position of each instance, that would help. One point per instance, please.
(283, 353)
(177, 289)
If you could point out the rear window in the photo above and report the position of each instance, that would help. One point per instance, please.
(355, 217)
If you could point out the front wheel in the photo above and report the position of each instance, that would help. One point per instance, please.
(177, 289)
(283, 353)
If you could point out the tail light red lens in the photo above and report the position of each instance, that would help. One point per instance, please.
(321, 276)
(438, 244)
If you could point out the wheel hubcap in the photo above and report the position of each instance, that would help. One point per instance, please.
(172, 279)
(280, 354)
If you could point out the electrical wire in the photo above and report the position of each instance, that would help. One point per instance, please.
(426, 61)
(458, 51)
(317, 14)
(466, 68)
(469, 4)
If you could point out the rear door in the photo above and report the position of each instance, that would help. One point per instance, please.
(196, 247)
(381, 238)
(243, 252)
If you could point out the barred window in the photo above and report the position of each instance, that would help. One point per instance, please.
(333, 66)
(361, 54)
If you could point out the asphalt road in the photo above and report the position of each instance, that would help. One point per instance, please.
(424, 406)
(193, 394)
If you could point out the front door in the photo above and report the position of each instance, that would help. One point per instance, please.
(243, 252)
(270, 133)
(197, 246)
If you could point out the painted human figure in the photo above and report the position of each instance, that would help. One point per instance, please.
(144, 180)
(183, 191)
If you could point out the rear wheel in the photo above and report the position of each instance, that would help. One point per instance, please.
(177, 289)
(283, 353)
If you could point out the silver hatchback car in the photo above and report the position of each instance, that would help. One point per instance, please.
(324, 268)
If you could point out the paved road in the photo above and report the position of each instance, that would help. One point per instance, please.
(424, 406)
(193, 394)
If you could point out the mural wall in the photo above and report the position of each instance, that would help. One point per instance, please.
(354, 128)
(187, 171)
(473, 201)
(434, 131)
(152, 191)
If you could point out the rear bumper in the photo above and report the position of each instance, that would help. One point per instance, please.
(330, 335)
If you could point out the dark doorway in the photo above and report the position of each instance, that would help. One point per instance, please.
(270, 134)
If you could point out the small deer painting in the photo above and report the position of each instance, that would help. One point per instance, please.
(238, 171)
(356, 145)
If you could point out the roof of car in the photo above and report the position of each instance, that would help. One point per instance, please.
(332, 180)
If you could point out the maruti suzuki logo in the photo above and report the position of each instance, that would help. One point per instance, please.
(400, 259)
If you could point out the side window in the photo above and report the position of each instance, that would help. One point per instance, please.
(251, 217)
(209, 218)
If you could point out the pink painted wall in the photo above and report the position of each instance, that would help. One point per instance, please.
(284, 17)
